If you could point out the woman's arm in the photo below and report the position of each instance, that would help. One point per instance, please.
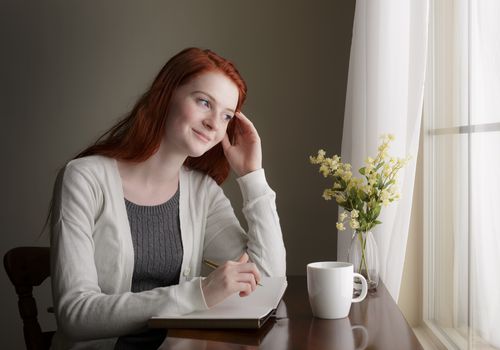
(226, 240)
(224, 235)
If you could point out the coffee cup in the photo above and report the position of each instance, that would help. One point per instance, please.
(330, 287)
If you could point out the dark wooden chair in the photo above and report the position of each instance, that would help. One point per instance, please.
(28, 267)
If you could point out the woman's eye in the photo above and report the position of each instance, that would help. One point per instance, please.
(229, 117)
(204, 102)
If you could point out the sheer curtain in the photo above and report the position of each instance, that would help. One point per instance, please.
(384, 95)
(484, 82)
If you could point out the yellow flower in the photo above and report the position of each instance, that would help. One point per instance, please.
(368, 169)
(384, 197)
(340, 197)
(387, 169)
(354, 214)
(346, 176)
(354, 224)
(342, 216)
(367, 189)
(372, 180)
(340, 226)
(328, 194)
(324, 170)
(319, 158)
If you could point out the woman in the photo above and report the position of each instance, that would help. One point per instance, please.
(135, 214)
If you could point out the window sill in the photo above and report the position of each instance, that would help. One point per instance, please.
(427, 338)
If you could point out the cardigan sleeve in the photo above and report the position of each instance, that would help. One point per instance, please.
(225, 238)
(82, 310)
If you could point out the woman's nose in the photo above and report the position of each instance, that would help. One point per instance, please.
(211, 122)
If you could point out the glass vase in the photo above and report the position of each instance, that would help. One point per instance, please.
(363, 254)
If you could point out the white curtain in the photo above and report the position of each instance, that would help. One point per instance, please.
(384, 95)
(484, 87)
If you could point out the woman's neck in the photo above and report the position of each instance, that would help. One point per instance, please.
(152, 181)
(163, 166)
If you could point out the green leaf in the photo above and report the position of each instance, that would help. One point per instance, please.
(353, 193)
(362, 195)
(380, 182)
(359, 203)
(362, 170)
(344, 204)
(377, 222)
(342, 182)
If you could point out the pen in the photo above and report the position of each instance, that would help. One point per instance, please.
(213, 265)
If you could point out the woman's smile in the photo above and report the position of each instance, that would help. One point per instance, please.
(201, 136)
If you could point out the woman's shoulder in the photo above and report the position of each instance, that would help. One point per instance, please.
(93, 163)
(95, 169)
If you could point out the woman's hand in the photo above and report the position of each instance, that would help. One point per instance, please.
(229, 278)
(245, 153)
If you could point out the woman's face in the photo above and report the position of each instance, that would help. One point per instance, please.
(199, 113)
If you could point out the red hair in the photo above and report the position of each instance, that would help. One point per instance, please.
(138, 136)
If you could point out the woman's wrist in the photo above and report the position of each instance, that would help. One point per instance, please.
(248, 171)
(253, 185)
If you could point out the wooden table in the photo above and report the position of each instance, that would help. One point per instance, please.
(375, 323)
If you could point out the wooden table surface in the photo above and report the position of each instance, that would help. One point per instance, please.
(375, 323)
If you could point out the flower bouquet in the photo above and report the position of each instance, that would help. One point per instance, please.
(362, 199)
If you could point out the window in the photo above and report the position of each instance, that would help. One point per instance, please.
(462, 174)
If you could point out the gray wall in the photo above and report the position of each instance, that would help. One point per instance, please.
(69, 70)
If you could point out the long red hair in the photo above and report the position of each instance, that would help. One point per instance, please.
(138, 136)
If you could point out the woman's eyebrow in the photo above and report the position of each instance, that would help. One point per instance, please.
(211, 98)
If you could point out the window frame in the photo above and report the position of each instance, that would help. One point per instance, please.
(449, 337)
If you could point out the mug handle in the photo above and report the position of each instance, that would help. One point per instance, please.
(364, 288)
(364, 337)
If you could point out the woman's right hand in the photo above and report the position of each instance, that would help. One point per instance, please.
(229, 278)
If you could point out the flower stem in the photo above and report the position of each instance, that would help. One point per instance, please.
(363, 254)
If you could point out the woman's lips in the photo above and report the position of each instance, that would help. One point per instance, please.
(201, 136)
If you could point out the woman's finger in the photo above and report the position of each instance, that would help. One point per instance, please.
(245, 289)
(245, 124)
(249, 268)
(243, 258)
(248, 278)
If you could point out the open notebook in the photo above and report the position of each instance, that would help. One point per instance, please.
(234, 312)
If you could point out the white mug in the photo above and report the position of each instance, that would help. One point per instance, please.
(330, 285)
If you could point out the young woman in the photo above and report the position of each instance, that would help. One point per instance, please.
(135, 214)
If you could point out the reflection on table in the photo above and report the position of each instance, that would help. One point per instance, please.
(375, 323)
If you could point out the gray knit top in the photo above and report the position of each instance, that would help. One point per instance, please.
(156, 237)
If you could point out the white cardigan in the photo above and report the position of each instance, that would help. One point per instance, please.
(92, 256)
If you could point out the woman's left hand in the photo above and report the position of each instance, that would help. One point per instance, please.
(245, 153)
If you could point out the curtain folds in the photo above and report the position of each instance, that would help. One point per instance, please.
(384, 95)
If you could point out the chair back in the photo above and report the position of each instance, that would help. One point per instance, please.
(28, 267)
